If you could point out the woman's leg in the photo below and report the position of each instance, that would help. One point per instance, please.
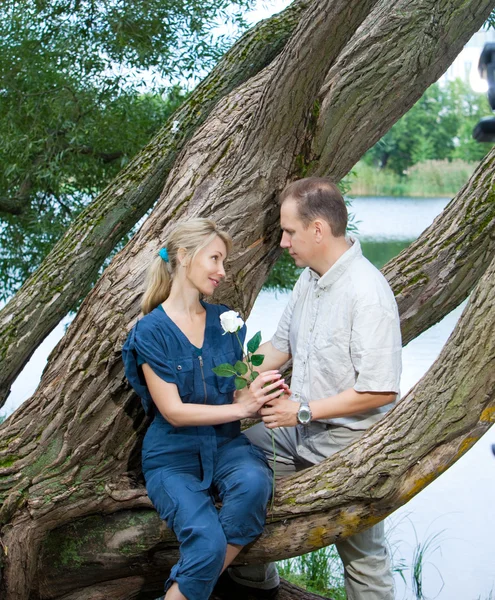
(191, 514)
(232, 551)
(174, 593)
(244, 482)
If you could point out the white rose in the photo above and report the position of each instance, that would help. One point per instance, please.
(231, 321)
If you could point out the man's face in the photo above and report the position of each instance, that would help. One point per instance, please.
(299, 241)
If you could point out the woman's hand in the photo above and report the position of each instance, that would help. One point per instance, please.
(252, 398)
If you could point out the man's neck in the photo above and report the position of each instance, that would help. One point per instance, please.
(331, 254)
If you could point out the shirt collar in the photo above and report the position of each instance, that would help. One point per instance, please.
(339, 267)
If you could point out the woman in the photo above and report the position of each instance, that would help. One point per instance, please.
(193, 449)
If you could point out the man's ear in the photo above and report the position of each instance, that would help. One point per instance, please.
(318, 230)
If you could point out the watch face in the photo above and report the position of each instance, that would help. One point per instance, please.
(304, 415)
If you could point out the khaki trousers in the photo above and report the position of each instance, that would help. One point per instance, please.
(367, 570)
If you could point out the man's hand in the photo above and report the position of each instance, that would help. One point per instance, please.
(265, 388)
(280, 412)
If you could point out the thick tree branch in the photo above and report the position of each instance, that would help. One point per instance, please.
(438, 271)
(66, 449)
(441, 418)
(355, 107)
(65, 276)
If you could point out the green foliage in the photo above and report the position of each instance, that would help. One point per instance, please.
(224, 370)
(257, 359)
(490, 22)
(254, 343)
(439, 126)
(438, 178)
(240, 383)
(241, 367)
(422, 552)
(81, 91)
(320, 572)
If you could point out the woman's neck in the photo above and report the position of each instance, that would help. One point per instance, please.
(184, 299)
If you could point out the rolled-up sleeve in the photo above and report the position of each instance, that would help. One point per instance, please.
(376, 349)
(142, 346)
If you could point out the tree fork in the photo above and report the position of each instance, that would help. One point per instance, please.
(68, 271)
(70, 444)
(441, 417)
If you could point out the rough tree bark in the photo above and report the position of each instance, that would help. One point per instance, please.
(382, 472)
(67, 273)
(71, 453)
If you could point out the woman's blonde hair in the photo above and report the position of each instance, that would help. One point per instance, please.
(192, 236)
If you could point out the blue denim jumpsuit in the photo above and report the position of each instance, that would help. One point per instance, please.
(185, 467)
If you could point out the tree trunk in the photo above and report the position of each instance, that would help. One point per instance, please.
(446, 412)
(67, 273)
(70, 455)
(354, 108)
(438, 271)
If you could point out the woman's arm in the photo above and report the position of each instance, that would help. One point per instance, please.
(179, 414)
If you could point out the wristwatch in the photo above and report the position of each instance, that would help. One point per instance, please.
(304, 414)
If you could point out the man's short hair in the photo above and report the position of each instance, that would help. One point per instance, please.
(318, 197)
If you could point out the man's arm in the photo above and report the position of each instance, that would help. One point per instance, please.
(274, 359)
(282, 412)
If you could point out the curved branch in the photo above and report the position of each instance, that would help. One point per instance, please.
(67, 273)
(355, 106)
(441, 418)
(439, 270)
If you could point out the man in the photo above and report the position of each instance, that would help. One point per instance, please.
(341, 328)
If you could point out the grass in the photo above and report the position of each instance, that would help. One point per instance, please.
(431, 178)
(490, 596)
(321, 572)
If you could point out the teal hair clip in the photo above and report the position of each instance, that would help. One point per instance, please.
(164, 254)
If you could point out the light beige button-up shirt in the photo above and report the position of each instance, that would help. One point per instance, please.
(342, 330)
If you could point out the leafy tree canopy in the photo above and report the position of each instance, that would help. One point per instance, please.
(81, 90)
(438, 126)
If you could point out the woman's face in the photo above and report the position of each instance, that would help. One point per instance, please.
(206, 270)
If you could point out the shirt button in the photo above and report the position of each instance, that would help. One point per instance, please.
(179, 368)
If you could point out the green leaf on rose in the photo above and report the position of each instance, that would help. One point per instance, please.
(224, 370)
(254, 342)
(240, 383)
(254, 374)
(257, 359)
(240, 368)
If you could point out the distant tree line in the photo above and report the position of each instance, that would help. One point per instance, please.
(439, 126)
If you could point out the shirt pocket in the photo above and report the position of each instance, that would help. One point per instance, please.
(225, 385)
(184, 373)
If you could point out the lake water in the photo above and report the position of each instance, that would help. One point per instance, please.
(459, 506)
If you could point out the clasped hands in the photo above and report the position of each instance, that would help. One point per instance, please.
(268, 396)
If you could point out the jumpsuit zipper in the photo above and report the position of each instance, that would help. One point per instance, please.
(203, 376)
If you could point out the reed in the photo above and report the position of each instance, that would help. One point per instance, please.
(431, 178)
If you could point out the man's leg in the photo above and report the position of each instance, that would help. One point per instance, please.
(367, 569)
(368, 574)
